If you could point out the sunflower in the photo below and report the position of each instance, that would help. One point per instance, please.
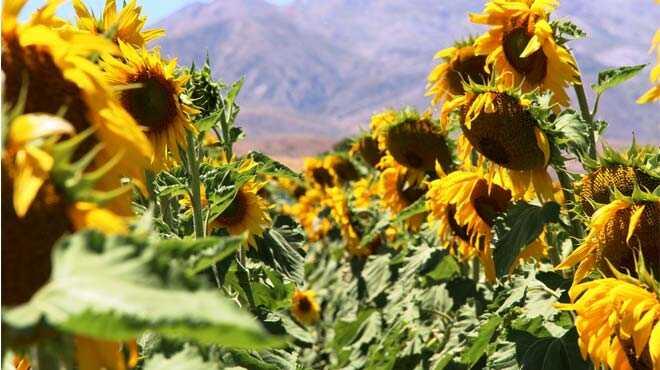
(307, 211)
(47, 71)
(317, 174)
(416, 142)
(382, 120)
(499, 125)
(125, 25)
(465, 204)
(459, 64)
(618, 320)
(341, 169)
(363, 192)
(304, 307)
(653, 94)
(367, 148)
(248, 212)
(338, 202)
(521, 49)
(617, 233)
(94, 353)
(149, 88)
(44, 197)
(397, 191)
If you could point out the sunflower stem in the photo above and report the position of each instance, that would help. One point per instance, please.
(586, 115)
(193, 170)
(576, 231)
(244, 277)
(166, 211)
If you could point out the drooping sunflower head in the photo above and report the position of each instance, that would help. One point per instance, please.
(124, 25)
(618, 321)
(149, 89)
(341, 168)
(466, 206)
(349, 225)
(416, 142)
(621, 171)
(317, 174)
(618, 233)
(521, 49)
(459, 65)
(397, 190)
(304, 307)
(247, 213)
(367, 148)
(47, 70)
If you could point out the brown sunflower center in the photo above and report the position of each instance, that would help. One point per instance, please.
(415, 144)
(304, 305)
(597, 185)
(490, 204)
(322, 177)
(410, 193)
(27, 242)
(458, 230)
(153, 104)
(47, 89)
(369, 151)
(621, 253)
(505, 136)
(533, 67)
(345, 171)
(465, 70)
(236, 212)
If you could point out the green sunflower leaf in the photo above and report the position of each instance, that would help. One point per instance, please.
(612, 77)
(535, 352)
(269, 166)
(519, 227)
(418, 207)
(479, 346)
(188, 359)
(107, 287)
(200, 254)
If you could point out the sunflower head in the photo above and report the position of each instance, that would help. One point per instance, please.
(307, 210)
(521, 49)
(502, 129)
(416, 142)
(459, 65)
(618, 233)
(304, 307)
(341, 168)
(350, 225)
(367, 148)
(246, 213)
(317, 174)
(124, 25)
(149, 89)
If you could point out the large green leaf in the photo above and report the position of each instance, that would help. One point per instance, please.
(280, 248)
(546, 352)
(269, 166)
(418, 207)
(521, 225)
(188, 359)
(104, 287)
(478, 348)
(612, 77)
(200, 254)
(376, 275)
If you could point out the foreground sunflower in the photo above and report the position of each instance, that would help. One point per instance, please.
(618, 320)
(415, 142)
(46, 70)
(304, 307)
(465, 205)
(149, 88)
(653, 94)
(618, 232)
(459, 64)
(44, 196)
(521, 49)
(125, 25)
(247, 213)
(498, 124)
(398, 191)
(621, 172)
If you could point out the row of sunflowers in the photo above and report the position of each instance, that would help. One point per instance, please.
(133, 236)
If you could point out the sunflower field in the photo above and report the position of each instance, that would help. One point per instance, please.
(493, 230)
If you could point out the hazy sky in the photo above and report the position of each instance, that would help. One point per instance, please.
(154, 9)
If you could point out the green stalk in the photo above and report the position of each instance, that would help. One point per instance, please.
(584, 111)
(576, 230)
(244, 277)
(193, 170)
(166, 210)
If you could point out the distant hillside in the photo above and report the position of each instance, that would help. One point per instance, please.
(316, 69)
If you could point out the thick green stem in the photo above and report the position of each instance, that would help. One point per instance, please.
(193, 171)
(166, 211)
(585, 112)
(576, 229)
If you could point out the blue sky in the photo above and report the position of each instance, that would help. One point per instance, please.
(154, 9)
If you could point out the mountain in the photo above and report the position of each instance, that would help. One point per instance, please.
(317, 69)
